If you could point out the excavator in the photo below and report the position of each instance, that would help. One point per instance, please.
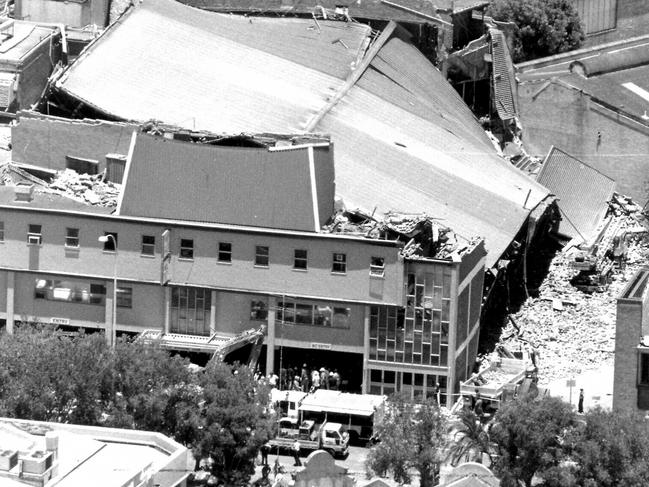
(218, 346)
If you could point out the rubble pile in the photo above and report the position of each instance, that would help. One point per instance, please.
(572, 331)
(89, 188)
(423, 236)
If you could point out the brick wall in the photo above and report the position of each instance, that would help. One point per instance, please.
(569, 120)
(627, 335)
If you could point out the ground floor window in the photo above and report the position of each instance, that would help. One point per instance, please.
(415, 385)
(190, 311)
(70, 291)
(303, 313)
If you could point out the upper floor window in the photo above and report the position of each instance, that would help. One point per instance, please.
(303, 313)
(34, 235)
(110, 244)
(2, 231)
(225, 252)
(186, 248)
(300, 260)
(148, 245)
(377, 266)
(72, 237)
(124, 297)
(643, 376)
(339, 263)
(262, 255)
(258, 310)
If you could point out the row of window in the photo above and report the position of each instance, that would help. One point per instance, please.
(224, 255)
(80, 292)
(301, 313)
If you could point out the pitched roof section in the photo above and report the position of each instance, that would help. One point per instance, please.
(289, 188)
(503, 76)
(405, 141)
(162, 61)
(436, 159)
(583, 192)
(399, 10)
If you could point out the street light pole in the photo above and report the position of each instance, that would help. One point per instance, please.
(113, 331)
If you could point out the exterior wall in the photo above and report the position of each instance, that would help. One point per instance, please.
(627, 334)
(204, 270)
(36, 69)
(44, 141)
(570, 120)
(72, 14)
(632, 19)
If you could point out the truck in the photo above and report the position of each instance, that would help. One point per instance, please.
(312, 436)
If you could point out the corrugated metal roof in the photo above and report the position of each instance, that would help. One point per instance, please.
(220, 184)
(366, 9)
(164, 61)
(399, 150)
(405, 141)
(502, 76)
(583, 192)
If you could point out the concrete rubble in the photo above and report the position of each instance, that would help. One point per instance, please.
(572, 331)
(423, 236)
(90, 189)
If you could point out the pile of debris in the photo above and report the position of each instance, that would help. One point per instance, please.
(89, 188)
(570, 330)
(423, 236)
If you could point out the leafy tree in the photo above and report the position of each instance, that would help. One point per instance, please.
(470, 440)
(611, 449)
(412, 437)
(544, 27)
(234, 422)
(528, 435)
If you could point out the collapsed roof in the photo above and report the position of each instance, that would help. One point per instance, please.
(404, 139)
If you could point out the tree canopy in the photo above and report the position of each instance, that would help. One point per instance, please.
(412, 437)
(527, 433)
(220, 412)
(544, 27)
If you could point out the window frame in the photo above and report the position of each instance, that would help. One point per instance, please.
(124, 297)
(186, 251)
(32, 233)
(377, 270)
(114, 242)
(222, 252)
(69, 238)
(304, 261)
(2, 231)
(260, 257)
(147, 245)
(342, 264)
(258, 310)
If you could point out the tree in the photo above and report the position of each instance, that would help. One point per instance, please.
(234, 421)
(470, 440)
(611, 449)
(412, 437)
(544, 27)
(528, 435)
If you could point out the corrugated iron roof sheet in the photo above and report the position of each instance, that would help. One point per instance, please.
(219, 184)
(404, 139)
(502, 76)
(583, 192)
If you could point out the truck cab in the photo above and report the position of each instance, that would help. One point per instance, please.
(334, 439)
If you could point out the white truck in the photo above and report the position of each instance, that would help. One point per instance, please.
(328, 436)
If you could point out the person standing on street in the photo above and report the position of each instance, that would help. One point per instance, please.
(296, 453)
(580, 404)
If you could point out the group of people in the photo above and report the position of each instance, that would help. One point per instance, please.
(307, 379)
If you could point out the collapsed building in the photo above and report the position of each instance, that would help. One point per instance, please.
(374, 259)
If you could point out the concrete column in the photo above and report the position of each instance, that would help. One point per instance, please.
(213, 312)
(365, 386)
(270, 337)
(10, 301)
(167, 308)
(452, 334)
(108, 313)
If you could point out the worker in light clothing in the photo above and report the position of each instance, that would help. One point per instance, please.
(296, 453)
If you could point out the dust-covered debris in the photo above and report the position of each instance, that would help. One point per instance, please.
(89, 188)
(579, 334)
(423, 236)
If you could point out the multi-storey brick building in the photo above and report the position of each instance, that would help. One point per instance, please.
(631, 376)
(350, 295)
